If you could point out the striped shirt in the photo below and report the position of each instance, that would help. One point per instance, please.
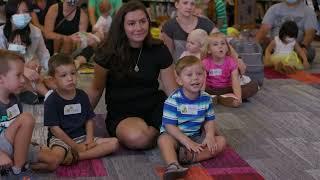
(221, 14)
(188, 115)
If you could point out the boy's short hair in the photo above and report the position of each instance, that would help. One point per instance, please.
(58, 60)
(7, 56)
(186, 61)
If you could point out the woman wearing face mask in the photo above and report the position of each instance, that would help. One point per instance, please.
(62, 23)
(18, 35)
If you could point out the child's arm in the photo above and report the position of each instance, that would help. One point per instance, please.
(60, 134)
(90, 134)
(236, 84)
(302, 54)
(183, 139)
(209, 140)
(268, 52)
(241, 65)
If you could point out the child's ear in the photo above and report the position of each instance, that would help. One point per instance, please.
(178, 79)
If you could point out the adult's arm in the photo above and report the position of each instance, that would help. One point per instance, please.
(35, 21)
(168, 42)
(262, 32)
(42, 53)
(83, 25)
(92, 16)
(98, 84)
(49, 23)
(168, 80)
(308, 37)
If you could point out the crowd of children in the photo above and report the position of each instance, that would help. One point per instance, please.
(207, 70)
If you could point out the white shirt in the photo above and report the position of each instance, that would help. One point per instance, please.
(103, 24)
(282, 48)
(36, 48)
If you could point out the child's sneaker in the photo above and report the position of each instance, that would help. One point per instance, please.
(185, 156)
(71, 157)
(227, 100)
(174, 171)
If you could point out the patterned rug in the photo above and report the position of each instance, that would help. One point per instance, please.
(302, 76)
(226, 166)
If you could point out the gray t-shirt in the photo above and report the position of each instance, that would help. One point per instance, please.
(9, 112)
(277, 14)
(179, 36)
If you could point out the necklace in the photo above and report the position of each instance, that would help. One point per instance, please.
(136, 68)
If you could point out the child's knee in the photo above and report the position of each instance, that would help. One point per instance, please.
(222, 142)
(115, 144)
(27, 119)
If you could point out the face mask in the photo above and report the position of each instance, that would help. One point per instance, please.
(72, 2)
(291, 1)
(18, 48)
(20, 21)
(289, 40)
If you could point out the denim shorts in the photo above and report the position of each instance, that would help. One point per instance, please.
(5, 145)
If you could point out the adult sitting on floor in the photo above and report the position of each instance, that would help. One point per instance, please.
(64, 23)
(18, 35)
(294, 10)
(128, 67)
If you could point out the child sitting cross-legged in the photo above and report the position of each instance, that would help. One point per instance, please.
(188, 124)
(69, 116)
(16, 126)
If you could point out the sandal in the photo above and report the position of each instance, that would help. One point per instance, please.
(186, 156)
(174, 171)
(71, 157)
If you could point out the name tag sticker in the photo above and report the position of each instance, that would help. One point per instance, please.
(13, 111)
(72, 109)
(215, 72)
(190, 109)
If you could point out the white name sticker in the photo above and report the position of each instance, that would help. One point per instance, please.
(13, 112)
(189, 109)
(72, 109)
(215, 72)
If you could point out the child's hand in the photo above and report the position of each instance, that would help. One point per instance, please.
(90, 143)
(5, 161)
(193, 146)
(210, 142)
(306, 65)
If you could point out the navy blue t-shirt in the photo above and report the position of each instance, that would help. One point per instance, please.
(70, 115)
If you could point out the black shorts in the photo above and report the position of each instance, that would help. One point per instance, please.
(152, 115)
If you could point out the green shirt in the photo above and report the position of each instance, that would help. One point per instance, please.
(221, 15)
(115, 4)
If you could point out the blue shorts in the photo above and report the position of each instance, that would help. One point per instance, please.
(5, 145)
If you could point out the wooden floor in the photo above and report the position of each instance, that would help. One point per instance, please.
(277, 132)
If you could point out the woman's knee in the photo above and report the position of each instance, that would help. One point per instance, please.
(137, 140)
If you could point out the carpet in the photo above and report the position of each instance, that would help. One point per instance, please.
(270, 73)
(226, 166)
(86, 168)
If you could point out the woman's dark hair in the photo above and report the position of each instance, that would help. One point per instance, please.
(116, 49)
(288, 29)
(11, 8)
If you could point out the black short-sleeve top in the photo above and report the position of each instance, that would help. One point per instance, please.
(140, 89)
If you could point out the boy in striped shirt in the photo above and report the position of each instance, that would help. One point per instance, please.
(188, 121)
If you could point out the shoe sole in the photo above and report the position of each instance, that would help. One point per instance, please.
(175, 174)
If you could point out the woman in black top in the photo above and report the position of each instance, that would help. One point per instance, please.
(62, 22)
(128, 67)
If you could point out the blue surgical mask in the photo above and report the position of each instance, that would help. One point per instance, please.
(291, 1)
(72, 2)
(20, 21)
(18, 48)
